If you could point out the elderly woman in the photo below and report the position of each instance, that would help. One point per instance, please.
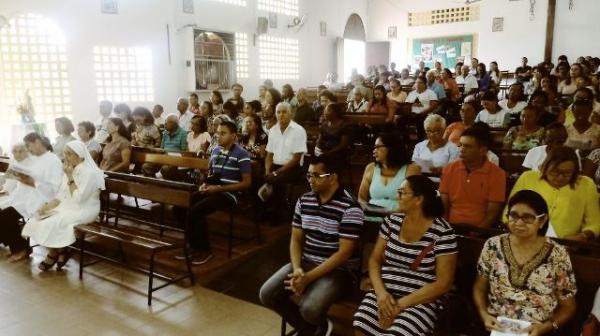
(523, 275)
(382, 178)
(86, 131)
(64, 128)
(411, 267)
(453, 132)
(78, 202)
(571, 197)
(37, 184)
(146, 134)
(358, 104)
(529, 134)
(423, 99)
(432, 154)
(20, 157)
(116, 155)
(334, 133)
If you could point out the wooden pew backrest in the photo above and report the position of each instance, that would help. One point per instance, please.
(170, 159)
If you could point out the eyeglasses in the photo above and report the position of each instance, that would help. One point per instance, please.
(513, 217)
(316, 176)
(437, 131)
(404, 193)
(557, 173)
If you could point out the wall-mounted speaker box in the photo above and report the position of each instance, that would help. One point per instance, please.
(262, 24)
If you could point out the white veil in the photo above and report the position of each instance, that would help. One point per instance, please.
(81, 150)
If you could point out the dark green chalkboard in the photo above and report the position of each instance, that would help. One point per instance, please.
(447, 49)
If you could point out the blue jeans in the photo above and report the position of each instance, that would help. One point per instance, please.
(310, 313)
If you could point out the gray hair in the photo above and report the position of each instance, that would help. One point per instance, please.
(359, 89)
(431, 72)
(172, 116)
(283, 106)
(434, 118)
(183, 100)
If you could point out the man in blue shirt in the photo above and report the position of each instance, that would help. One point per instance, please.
(434, 86)
(229, 171)
(174, 139)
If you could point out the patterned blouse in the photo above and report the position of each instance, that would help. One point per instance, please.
(594, 156)
(527, 292)
(147, 136)
(254, 149)
(524, 142)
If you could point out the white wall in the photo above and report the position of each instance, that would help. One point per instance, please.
(143, 23)
(520, 36)
(576, 31)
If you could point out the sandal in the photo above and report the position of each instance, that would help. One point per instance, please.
(45, 266)
(65, 259)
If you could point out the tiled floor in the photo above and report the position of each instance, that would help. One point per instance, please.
(112, 301)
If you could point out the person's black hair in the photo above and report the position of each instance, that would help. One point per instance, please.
(382, 89)
(588, 92)
(123, 108)
(522, 97)
(482, 65)
(203, 123)
(330, 164)
(228, 106)
(530, 107)
(121, 129)
(329, 95)
(541, 94)
(230, 125)
(275, 95)
(209, 106)
(255, 105)
(337, 109)
(193, 94)
(144, 113)
(66, 124)
(557, 156)
(397, 156)
(489, 96)
(89, 127)
(432, 206)
(219, 96)
(448, 72)
(159, 107)
(33, 137)
(533, 200)
(555, 126)
(480, 131)
(459, 64)
(238, 85)
(289, 89)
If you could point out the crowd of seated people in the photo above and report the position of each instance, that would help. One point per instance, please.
(548, 111)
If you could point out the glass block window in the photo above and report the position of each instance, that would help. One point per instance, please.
(33, 69)
(241, 52)
(123, 74)
(446, 15)
(278, 58)
(233, 2)
(287, 7)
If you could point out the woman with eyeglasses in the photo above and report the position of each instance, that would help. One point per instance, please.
(435, 152)
(523, 275)
(411, 267)
(571, 197)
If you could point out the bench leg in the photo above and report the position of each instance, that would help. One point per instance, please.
(81, 254)
(188, 264)
(283, 327)
(150, 278)
(118, 209)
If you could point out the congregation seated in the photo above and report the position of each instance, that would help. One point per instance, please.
(358, 103)
(484, 81)
(468, 80)
(468, 112)
(527, 135)
(423, 99)
(123, 112)
(198, 138)
(304, 111)
(523, 275)
(515, 100)
(405, 79)
(159, 120)
(105, 108)
(324, 254)
(288, 96)
(449, 84)
(254, 139)
(396, 93)
(77, 202)
(411, 267)
(433, 85)
(495, 75)
(383, 177)
(86, 132)
(555, 136)
(323, 96)
(540, 100)
(216, 100)
(251, 108)
(334, 133)
(571, 197)
(434, 153)
(64, 129)
(38, 181)
(583, 134)
(568, 75)
(524, 72)
(184, 116)
(146, 134)
(20, 157)
(230, 111)
(194, 103)
(473, 189)
(116, 155)
(492, 114)
(236, 98)
(214, 140)
(273, 98)
(174, 139)
(229, 174)
(583, 94)
(380, 104)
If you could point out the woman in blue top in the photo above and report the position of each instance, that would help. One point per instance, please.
(382, 178)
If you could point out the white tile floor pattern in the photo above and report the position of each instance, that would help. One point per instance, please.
(111, 301)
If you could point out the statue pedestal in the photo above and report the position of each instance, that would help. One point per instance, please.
(18, 131)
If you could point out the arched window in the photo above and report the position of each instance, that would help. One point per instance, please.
(33, 63)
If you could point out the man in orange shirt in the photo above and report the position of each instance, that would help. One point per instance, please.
(472, 188)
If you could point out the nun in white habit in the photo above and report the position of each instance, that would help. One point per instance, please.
(77, 202)
(20, 156)
(36, 181)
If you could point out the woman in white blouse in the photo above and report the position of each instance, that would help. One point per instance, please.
(432, 154)
(78, 202)
(37, 184)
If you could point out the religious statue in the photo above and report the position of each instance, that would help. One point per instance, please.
(26, 109)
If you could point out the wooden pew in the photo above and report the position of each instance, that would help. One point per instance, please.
(497, 135)
(365, 118)
(159, 157)
(165, 192)
(4, 161)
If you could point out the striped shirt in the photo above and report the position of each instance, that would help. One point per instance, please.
(176, 141)
(324, 224)
(230, 165)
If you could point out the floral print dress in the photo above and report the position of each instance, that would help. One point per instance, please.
(527, 292)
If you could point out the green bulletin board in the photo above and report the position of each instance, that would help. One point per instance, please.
(447, 49)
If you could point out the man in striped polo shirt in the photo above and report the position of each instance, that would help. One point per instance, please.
(326, 228)
(229, 174)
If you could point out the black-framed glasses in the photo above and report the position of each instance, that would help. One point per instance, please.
(402, 192)
(316, 176)
(513, 217)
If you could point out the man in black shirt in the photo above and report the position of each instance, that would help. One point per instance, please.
(523, 73)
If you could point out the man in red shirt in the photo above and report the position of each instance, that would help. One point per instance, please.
(472, 188)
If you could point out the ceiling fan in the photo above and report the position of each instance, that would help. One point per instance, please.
(297, 22)
(467, 2)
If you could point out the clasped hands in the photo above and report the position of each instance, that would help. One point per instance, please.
(297, 281)
(209, 189)
(388, 309)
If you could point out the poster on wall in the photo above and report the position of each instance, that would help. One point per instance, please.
(451, 52)
(498, 24)
(465, 49)
(392, 32)
(188, 6)
(109, 7)
(426, 52)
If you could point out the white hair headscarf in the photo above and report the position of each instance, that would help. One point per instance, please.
(81, 150)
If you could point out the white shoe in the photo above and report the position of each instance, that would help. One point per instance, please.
(329, 328)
